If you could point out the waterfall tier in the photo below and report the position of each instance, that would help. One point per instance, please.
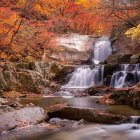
(128, 75)
(102, 50)
(135, 119)
(85, 77)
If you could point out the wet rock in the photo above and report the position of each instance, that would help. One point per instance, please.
(124, 96)
(90, 115)
(135, 58)
(109, 69)
(135, 127)
(56, 107)
(119, 59)
(106, 100)
(63, 73)
(21, 117)
(120, 91)
(134, 97)
(120, 96)
(98, 90)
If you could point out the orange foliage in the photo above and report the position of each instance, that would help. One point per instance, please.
(9, 22)
(42, 19)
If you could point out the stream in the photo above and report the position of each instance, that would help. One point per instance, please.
(89, 131)
(82, 78)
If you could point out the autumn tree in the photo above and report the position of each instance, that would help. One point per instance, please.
(122, 13)
(134, 32)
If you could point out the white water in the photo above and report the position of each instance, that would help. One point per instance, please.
(128, 75)
(84, 77)
(135, 119)
(102, 49)
(128, 131)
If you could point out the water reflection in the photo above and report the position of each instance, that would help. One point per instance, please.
(80, 102)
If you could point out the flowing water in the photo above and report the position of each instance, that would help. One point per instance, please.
(128, 131)
(128, 75)
(84, 77)
(102, 49)
(111, 132)
(93, 132)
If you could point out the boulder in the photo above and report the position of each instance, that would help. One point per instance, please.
(98, 90)
(124, 96)
(90, 115)
(119, 96)
(32, 81)
(22, 117)
(135, 58)
(64, 71)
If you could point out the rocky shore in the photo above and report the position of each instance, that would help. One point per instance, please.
(39, 79)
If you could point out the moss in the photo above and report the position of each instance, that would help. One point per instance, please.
(29, 59)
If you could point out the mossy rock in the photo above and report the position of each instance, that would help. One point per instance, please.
(54, 71)
(119, 59)
(29, 59)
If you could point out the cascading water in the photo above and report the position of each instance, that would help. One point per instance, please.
(102, 50)
(84, 77)
(129, 75)
(135, 119)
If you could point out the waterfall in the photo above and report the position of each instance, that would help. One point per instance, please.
(85, 77)
(128, 75)
(102, 49)
(135, 119)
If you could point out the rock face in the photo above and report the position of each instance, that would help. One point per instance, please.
(31, 77)
(120, 96)
(90, 115)
(135, 58)
(21, 117)
(119, 59)
(3, 84)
